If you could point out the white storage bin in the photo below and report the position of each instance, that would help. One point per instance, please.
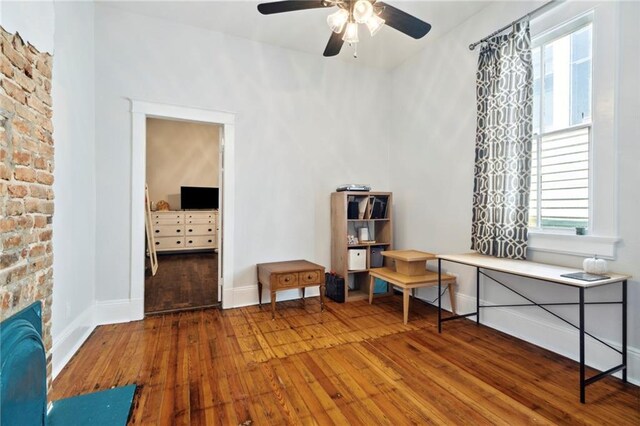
(357, 259)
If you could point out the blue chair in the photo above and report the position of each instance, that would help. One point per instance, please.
(23, 382)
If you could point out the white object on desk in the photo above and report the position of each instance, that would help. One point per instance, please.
(593, 265)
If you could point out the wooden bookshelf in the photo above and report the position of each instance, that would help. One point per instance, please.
(379, 222)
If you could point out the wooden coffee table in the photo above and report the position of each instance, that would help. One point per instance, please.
(288, 275)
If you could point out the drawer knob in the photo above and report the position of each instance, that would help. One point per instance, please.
(157, 243)
(210, 230)
(178, 231)
(286, 280)
(157, 231)
(190, 230)
(210, 241)
(309, 276)
(190, 242)
(177, 242)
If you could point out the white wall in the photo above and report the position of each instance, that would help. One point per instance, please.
(180, 153)
(66, 30)
(303, 126)
(34, 20)
(432, 176)
(74, 229)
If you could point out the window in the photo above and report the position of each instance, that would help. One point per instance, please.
(562, 93)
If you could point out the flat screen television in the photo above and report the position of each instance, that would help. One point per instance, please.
(198, 197)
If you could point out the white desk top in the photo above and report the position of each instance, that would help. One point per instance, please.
(540, 271)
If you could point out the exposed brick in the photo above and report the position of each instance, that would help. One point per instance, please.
(24, 222)
(5, 300)
(44, 122)
(22, 157)
(5, 171)
(6, 103)
(44, 66)
(43, 95)
(24, 174)
(7, 224)
(26, 193)
(6, 67)
(13, 90)
(25, 82)
(40, 163)
(44, 177)
(34, 205)
(12, 54)
(8, 259)
(11, 241)
(26, 113)
(46, 235)
(15, 207)
(18, 191)
(26, 143)
(43, 136)
(20, 125)
(39, 106)
(39, 221)
(45, 150)
(38, 250)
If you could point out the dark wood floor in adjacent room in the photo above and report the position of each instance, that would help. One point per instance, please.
(354, 363)
(183, 281)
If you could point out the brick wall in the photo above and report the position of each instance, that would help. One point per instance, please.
(26, 178)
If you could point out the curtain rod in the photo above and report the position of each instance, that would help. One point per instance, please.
(531, 14)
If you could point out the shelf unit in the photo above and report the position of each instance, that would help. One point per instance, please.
(378, 221)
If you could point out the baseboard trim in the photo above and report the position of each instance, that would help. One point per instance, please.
(118, 311)
(554, 337)
(67, 343)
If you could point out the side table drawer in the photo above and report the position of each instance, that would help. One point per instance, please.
(310, 277)
(285, 280)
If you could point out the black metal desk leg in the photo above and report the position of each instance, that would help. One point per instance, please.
(477, 295)
(624, 330)
(439, 293)
(582, 369)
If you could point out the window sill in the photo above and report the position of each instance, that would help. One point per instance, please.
(576, 245)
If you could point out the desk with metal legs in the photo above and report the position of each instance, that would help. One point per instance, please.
(551, 274)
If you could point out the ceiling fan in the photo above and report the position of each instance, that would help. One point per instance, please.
(344, 22)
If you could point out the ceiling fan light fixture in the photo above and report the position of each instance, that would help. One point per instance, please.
(374, 24)
(351, 33)
(362, 11)
(337, 20)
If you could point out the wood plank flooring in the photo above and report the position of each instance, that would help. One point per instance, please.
(183, 281)
(354, 363)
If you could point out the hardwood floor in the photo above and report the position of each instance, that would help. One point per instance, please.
(354, 363)
(183, 281)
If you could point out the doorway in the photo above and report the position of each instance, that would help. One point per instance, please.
(183, 181)
(140, 111)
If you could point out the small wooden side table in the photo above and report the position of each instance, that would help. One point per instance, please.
(287, 275)
(411, 273)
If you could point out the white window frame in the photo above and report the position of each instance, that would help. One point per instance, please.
(603, 187)
(540, 41)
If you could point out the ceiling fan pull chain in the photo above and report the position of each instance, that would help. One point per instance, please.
(355, 50)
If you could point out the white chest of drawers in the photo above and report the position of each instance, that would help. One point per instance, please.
(185, 230)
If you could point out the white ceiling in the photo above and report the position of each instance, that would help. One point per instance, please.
(307, 30)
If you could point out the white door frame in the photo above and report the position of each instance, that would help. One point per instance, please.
(140, 111)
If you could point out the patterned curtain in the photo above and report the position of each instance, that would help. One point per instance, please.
(502, 176)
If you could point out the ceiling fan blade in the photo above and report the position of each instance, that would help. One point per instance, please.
(403, 22)
(290, 6)
(334, 45)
